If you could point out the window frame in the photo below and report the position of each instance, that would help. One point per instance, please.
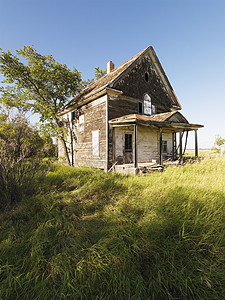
(147, 105)
(73, 115)
(164, 146)
(128, 142)
(95, 143)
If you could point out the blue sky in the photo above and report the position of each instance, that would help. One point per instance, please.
(187, 36)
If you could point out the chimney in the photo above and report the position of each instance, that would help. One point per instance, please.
(110, 67)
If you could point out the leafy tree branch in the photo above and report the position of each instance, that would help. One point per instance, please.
(39, 83)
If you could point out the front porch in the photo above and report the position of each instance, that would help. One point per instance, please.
(143, 143)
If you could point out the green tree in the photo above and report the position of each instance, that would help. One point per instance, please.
(39, 83)
(218, 142)
(99, 73)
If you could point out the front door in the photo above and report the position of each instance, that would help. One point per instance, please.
(128, 149)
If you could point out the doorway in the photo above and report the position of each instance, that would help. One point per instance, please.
(128, 148)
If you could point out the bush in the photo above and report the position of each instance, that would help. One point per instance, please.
(21, 158)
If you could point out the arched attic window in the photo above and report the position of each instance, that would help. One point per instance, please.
(149, 108)
(146, 76)
(147, 105)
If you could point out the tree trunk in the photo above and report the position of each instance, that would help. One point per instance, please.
(64, 157)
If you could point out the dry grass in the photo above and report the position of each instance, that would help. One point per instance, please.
(91, 235)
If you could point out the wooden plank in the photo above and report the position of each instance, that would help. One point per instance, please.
(185, 146)
(173, 134)
(160, 147)
(135, 147)
(196, 144)
(180, 148)
(174, 146)
(107, 133)
(113, 145)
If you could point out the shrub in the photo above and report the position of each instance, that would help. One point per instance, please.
(21, 158)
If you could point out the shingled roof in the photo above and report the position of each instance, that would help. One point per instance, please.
(163, 119)
(105, 80)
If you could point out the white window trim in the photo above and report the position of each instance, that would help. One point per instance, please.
(95, 143)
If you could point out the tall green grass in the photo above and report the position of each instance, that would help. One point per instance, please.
(91, 235)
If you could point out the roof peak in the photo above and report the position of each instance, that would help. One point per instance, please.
(109, 79)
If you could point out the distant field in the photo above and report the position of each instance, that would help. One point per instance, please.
(87, 234)
(201, 152)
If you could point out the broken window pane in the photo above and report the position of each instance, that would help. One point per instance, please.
(147, 105)
(128, 142)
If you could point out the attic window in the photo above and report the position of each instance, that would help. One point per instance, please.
(147, 105)
(140, 109)
(146, 76)
(72, 115)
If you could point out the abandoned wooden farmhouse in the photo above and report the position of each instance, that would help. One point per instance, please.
(129, 117)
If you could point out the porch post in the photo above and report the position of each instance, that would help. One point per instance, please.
(160, 147)
(135, 147)
(113, 146)
(175, 146)
(196, 144)
(180, 150)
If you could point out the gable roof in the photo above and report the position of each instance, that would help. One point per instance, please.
(108, 80)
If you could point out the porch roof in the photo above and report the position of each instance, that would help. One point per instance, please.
(174, 120)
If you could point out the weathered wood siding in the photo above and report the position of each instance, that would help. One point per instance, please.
(145, 79)
(148, 144)
(94, 119)
(90, 117)
(121, 106)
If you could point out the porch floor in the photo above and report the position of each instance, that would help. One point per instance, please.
(143, 167)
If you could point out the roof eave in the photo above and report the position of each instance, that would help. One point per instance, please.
(84, 100)
(166, 124)
(90, 97)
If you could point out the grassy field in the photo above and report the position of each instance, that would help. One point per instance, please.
(86, 234)
(203, 153)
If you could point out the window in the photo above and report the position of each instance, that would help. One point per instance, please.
(140, 108)
(81, 119)
(153, 109)
(146, 76)
(95, 142)
(72, 115)
(128, 142)
(81, 122)
(164, 146)
(147, 105)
